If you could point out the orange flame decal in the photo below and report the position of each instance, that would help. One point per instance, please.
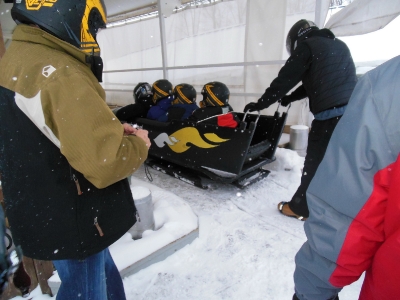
(37, 4)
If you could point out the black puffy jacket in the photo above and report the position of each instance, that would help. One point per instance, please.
(324, 65)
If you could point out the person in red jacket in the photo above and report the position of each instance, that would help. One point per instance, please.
(354, 198)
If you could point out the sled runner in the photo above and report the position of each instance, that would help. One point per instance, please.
(199, 152)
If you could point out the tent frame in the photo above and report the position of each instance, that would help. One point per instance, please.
(319, 20)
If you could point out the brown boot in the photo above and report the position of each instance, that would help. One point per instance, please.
(284, 208)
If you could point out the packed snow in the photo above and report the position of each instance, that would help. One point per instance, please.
(245, 248)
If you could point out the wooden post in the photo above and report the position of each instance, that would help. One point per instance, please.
(2, 46)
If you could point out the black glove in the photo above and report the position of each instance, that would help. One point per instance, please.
(285, 101)
(252, 106)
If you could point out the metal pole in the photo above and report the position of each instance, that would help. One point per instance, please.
(318, 13)
(2, 46)
(246, 34)
(321, 8)
(163, 41)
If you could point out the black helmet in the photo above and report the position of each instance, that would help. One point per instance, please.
(184, 94)
(298, 32)
(215, 94)
(73, 21)
(161, 88)
(142, 93)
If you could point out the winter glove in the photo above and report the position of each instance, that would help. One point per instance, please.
(252, 106)
(286, 100)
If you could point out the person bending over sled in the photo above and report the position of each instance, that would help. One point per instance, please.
(142, 95)
(184, 102)
(162, 100)
(214, 107)
(324, 65)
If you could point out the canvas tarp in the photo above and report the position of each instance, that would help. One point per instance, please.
(363, 16)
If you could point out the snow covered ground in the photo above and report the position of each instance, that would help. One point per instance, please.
(245, 249)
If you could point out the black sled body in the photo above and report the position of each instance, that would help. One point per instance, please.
(199, 152)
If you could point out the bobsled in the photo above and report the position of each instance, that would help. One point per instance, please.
(197, 152)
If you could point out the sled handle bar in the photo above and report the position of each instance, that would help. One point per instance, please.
(245, 115)
(279, 104)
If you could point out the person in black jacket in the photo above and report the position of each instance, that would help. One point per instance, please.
(215, 108)
(143, 101)
(326, 69)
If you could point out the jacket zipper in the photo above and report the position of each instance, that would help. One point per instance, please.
(73, 177)
(98, 227)
(78, 187)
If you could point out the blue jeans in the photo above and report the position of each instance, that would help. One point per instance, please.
(93, 278)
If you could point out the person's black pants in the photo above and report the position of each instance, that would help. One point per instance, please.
(318, 139)
(296, 298)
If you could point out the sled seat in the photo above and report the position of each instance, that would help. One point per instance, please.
(151, 123)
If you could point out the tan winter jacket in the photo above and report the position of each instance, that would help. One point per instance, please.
(56, 89)
(64, 158)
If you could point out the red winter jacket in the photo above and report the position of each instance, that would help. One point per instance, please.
(354, 198)
(381, 247)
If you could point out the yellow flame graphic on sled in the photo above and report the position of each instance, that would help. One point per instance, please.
(179, 139)
(37, 4)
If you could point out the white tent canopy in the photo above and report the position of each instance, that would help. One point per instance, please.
(238, 42)
(363, 16)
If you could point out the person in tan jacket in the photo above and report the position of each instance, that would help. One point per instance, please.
(64, 156)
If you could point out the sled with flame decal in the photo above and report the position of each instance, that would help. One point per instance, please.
(199, 152)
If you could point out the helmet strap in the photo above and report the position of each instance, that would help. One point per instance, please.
(70, 33)
(96, 65)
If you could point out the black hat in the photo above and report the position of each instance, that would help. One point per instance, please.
(298, 32)
(161, 88)
(184, 94)
(215, 94)
(142, 93)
